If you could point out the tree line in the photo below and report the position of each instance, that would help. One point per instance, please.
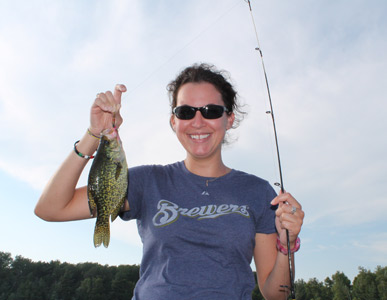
(367, 285)
(21, 278)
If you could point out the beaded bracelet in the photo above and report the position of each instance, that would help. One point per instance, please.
(81, 154)
(284, 251)
(92, 134)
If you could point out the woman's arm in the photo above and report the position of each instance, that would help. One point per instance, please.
(273, 266)
(61, 200)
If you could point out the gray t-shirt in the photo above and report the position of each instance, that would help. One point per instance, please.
(198, 233)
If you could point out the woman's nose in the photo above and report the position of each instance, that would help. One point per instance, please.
(198, 120)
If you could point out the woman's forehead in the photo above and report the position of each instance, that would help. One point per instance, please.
(198, 94)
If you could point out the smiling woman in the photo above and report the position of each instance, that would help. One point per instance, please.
(200, 221)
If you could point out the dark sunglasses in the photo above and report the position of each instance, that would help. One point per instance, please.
(210, 111)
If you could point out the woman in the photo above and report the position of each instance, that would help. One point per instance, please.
(200, 221)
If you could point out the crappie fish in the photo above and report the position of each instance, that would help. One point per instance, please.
(107, 184)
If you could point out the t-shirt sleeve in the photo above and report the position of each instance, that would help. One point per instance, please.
(137, 178)
(266, 223)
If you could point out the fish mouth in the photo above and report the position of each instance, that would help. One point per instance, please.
(110, 133)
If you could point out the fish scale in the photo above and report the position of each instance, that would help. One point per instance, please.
(107, 184)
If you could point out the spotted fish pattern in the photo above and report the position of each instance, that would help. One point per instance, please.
(107, 184)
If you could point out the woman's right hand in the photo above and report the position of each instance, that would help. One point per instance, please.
(106, 110)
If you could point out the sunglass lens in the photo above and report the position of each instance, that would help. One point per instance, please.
(185, 112)
(213, 111)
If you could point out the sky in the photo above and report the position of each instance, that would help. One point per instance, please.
(326, 63)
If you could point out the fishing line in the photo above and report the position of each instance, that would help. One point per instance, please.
(281, 184)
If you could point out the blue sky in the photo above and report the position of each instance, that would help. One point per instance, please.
(326, 62)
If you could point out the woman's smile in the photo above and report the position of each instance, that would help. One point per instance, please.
(199, 137)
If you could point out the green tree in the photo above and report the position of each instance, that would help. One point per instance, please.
(328, 284)
(364, 286)
(124, 282)
(67, 281)
(301, 291)
(312, 290)
(32, 288)
(32, 280)
(341, 287)
(91, 288)
(96, 283)
(22, 286)
(5, 275)
(315, 289)
(5, 262)
(44, 275)
(381, 281)
(21, 267)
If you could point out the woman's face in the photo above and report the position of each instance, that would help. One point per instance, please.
(201, 138)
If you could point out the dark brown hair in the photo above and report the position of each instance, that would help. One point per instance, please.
(208, 73)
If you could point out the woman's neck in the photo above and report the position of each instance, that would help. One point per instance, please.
(206, 168)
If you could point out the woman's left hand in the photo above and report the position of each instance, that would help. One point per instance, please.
(290, 216)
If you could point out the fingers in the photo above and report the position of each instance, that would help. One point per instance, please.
(289, 219)
(286, 198)
(288, 207)
(105, 101)
(105, 111)
(111, 102)
(289, 214)
(118, 90)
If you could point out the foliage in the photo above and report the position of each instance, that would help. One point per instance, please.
(365, 286)
(341, 287)
(20, 279)
(381, 281)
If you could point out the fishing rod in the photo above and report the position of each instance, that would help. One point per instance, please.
(281, 184)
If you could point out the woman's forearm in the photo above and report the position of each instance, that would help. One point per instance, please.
(60, 200)
(277, 285)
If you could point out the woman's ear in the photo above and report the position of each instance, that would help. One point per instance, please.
(230, 121)
(172, 122)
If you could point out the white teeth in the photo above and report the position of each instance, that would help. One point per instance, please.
(199, 136)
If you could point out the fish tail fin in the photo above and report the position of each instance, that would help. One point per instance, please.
(102, 232)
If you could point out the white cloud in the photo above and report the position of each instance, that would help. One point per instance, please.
(375, 245)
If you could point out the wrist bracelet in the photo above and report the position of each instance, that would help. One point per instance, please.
(284, 251)
(92, 134)
(81, 154)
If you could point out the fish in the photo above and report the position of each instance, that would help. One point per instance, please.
(107, 184)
